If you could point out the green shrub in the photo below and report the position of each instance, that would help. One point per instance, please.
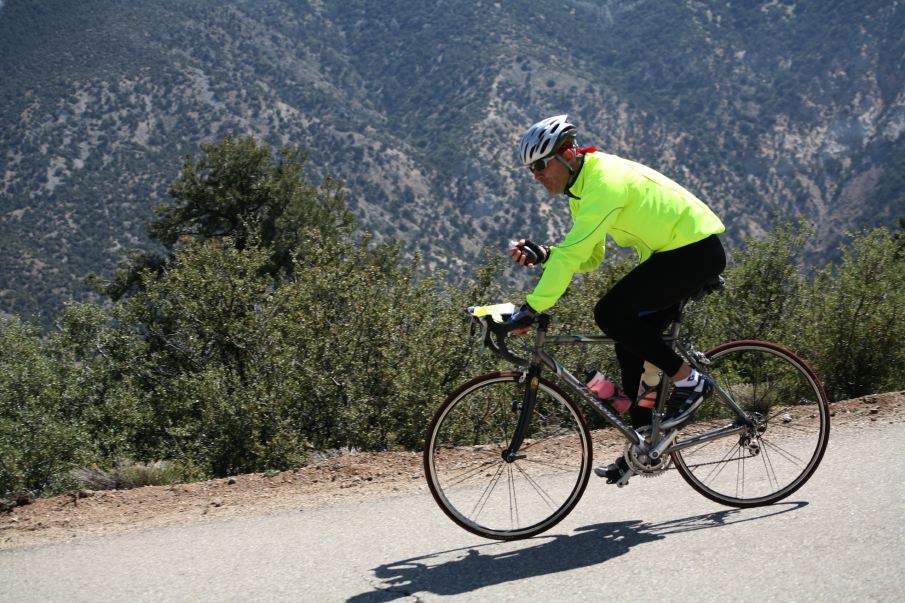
(857, 313)
(41, 435)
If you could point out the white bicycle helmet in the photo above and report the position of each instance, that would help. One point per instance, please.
(545, 137)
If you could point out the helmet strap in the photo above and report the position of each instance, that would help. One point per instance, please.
(573, 173)
(566, 163)
(578, 152)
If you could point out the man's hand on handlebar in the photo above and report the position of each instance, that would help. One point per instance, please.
(521, 321)
(528, 253)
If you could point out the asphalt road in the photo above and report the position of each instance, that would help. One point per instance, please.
(840, 538)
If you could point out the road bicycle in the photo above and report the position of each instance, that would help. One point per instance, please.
(508, 454)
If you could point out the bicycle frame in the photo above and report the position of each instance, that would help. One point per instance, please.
(508, 454)
(660, 444)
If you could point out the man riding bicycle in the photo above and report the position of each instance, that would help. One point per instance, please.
(673, 232)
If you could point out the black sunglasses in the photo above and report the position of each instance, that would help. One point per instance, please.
(540, 165)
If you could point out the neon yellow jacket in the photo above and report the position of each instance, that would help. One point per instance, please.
(637, 206)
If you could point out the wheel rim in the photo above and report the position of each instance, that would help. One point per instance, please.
(493, 497)
(784, 445)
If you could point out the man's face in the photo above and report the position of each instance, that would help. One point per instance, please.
(555, 176)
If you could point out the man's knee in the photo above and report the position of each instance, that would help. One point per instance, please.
(607, 315)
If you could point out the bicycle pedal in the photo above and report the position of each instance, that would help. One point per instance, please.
(623, 481)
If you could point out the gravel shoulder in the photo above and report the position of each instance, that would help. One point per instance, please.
(337, 480)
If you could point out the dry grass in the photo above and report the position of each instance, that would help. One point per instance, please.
(129, 475)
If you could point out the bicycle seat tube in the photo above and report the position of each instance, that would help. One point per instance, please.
(673, 340)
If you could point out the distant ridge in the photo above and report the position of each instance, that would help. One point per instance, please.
(763, 109)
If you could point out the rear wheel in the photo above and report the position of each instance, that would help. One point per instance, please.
(789, 410)
(483, 492)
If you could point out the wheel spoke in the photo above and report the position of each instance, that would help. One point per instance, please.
(784, 453)
(488, 490)
(562, 466)
(464, 476)
(718, 466)
(547, 498)
(768, 467)
(513, 501)
(788, 427)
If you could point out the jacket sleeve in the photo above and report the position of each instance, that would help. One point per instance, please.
(581, 251)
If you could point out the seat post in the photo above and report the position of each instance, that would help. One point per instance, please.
(674, 329)
(676, 325)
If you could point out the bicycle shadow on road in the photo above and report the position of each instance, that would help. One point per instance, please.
(467, 569)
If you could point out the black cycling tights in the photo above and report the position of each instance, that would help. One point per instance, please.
(640, 306)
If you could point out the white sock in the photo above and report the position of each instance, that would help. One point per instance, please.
(690, 381)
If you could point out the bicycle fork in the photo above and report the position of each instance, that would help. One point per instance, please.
(532, 378)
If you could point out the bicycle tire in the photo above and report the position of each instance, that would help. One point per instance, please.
(786, 399)
(477, 488)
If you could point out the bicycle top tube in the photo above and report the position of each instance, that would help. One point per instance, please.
(494, 335)
(591, 339)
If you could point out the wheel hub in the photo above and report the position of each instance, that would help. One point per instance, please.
(511, 458)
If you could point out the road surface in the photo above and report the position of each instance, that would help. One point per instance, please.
(840, 538)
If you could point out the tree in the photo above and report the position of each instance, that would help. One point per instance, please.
(213, 357)
(238, 190)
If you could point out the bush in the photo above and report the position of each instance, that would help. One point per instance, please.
(41, 434)
(846, 320)
(857, 313)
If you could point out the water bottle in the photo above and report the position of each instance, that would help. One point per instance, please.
(650, 379)
(606, 390)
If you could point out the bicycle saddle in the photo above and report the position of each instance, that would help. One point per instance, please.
(712, 285)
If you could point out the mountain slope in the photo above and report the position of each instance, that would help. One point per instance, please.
(763, 109)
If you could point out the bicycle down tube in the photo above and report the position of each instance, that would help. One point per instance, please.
(540, 356)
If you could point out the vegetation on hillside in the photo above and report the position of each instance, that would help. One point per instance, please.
(758, 107)
(269, 329)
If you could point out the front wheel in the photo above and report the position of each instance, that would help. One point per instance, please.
(498, 498)
(790, 426)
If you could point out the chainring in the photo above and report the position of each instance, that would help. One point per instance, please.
(640, 463)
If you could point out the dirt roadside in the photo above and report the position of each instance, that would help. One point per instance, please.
(340, 479)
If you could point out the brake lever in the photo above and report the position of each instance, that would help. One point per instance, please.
(493, 335)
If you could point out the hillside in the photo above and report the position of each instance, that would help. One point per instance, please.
(764, 109)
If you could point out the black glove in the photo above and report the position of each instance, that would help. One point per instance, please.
(523, 318)
(534, 253)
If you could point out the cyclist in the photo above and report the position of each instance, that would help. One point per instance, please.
(673, 232)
